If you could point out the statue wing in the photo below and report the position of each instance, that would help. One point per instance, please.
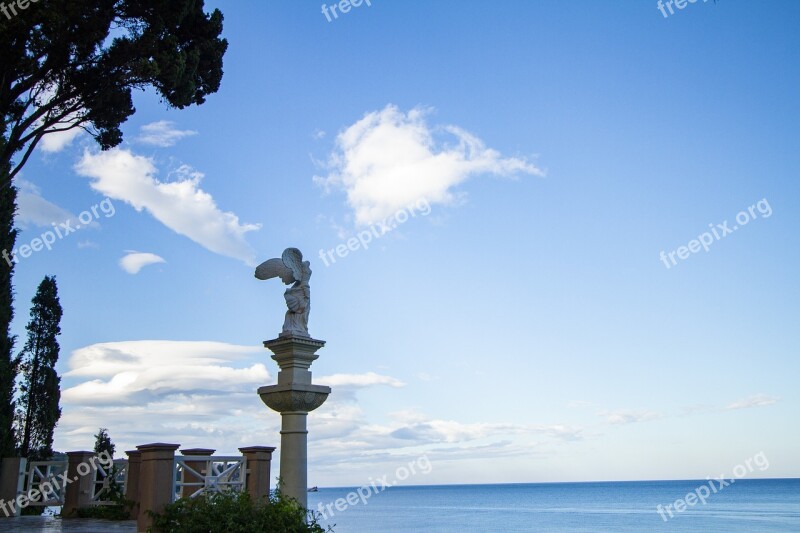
(293, 259)
(273, 268)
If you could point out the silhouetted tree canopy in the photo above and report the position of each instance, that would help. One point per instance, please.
(68, 64)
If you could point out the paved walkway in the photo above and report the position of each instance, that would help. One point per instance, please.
(54, 524)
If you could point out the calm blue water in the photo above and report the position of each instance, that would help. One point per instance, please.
(750, 506)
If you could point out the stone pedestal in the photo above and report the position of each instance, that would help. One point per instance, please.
(259, 461)
(12, 482)
(132, 480)
(294, 397)
(78, 494)
(197, 466)
(156, 480)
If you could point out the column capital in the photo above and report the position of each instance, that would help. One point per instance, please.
(157, 445)
(294, 356)
(158, 450)
(197, 451)
(257, 452)
(80, 453)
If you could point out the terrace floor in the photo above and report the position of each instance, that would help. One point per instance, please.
(54, 524)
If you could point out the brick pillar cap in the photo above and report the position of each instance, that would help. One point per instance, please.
(248, 449)
(133, 452)
(158, 446)
(198, 451)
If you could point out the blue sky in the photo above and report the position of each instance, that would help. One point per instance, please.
(525, 329)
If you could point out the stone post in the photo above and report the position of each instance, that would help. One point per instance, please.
(294, 397)
(258, 461)
(197, 466)
(81, 471)
(12, 482)
(132, 480)
(156, 480)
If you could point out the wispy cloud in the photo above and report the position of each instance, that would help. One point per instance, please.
(629, 417)
(134, 261)
(59, 140)
(56, 141)
(359, 380)
(180, 204)
(201, 393)
(756, 400)
(197, 393)
(35, 210)
(126, 371)
(390, 159)
(162, 133)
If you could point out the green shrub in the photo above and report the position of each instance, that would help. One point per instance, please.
(117, 511)
(235, 513)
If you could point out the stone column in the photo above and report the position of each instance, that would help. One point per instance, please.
(132, 480)
(81, 472)
(156, 480)
(197, 466)
(294, 397)
(12, 482)
(258, 461)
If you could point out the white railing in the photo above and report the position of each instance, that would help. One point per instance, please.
(40, 473)
(207, 474)
(110, 482)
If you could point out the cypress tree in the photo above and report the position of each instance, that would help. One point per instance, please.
(38, 411)
(102, 443)
(8, 370)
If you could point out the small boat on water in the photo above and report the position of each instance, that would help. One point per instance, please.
(313, 489)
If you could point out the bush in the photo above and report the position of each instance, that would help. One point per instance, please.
(235, 513)
(117, 511)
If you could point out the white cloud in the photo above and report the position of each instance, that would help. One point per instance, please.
(359, 380)
(133, 262)
(756, 400)
(122, 370)
(34, 210)
(162, 133)
(203, 394)
(181, 204)
(195, 393)
(390, 159)
(57, 141)
(629, 417)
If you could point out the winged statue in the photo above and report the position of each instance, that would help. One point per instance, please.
(292, 270)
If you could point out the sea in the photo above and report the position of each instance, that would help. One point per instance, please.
(746, 505)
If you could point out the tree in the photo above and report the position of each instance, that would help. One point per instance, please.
(38, 411)
(8, 370)
(102, 443)
(67, 64)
